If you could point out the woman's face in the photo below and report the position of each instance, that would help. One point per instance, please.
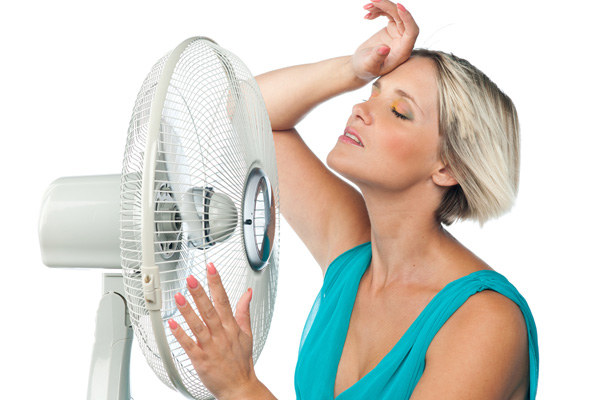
(391, 140)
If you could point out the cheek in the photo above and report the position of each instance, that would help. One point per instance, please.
(404, 149)
(410, 152)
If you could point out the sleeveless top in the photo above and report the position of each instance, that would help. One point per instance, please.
(396, 376)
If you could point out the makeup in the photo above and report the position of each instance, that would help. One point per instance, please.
(401, 110)
(350, 136)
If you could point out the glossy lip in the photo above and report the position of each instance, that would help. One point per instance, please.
(350, 141)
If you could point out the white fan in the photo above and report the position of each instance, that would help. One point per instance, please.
(199, 184)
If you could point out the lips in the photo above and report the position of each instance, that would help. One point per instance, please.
(354, 137)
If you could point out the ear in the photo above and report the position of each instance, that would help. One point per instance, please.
(443, 177)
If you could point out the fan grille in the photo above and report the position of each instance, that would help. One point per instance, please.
(214, 129)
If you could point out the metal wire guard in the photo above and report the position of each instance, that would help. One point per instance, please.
(212, 131)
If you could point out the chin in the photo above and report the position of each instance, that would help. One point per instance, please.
(344, 165)
(335, 160)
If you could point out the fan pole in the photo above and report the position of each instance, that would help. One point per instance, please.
(109, 371)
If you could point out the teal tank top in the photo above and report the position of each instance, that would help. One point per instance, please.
(396, 376)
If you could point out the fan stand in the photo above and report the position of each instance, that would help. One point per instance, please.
(109, 370)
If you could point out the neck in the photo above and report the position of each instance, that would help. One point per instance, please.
(408, 243)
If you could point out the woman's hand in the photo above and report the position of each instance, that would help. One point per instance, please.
(222, 351)
(389, 47)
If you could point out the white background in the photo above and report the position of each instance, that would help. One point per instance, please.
(70, 72)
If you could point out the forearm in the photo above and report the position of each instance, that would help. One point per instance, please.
(290, 93)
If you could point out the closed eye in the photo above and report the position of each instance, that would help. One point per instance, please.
(397, 114)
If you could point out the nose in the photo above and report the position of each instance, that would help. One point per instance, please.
(362, 112)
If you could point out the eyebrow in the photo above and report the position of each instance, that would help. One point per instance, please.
(401, 93)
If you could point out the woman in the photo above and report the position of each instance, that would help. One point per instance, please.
(405, 309)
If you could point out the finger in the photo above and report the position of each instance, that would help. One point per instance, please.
(403, 45)
(411, 29)
(391, 13)
(242, 313)
(218, 294)
(207, 311)
(385, 7)
(374, 13)
(191, 318)
(375, 60)
(187, 343)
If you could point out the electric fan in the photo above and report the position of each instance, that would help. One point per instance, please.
(199, 185)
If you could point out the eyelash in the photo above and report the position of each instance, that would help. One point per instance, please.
(397, 114)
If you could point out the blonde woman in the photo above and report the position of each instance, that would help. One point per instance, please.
(405, 311)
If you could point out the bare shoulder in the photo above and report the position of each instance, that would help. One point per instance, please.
(486, 312)
(480, 352)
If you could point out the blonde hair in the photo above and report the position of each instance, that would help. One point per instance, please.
(479, 132)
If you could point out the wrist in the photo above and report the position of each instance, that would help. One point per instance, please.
(251, 390)
(354, 81)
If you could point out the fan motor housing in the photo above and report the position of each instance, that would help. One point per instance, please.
(79, 223)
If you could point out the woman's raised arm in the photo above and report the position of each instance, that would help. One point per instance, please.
(290, 93)
(328, 214)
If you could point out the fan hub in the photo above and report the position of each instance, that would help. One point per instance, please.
(211, 217)
(259, 218)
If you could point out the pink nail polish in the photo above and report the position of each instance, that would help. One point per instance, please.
(172, 324)
(401, 8)
(368, 6)
(384, 50)
(180, 299)
(192, 282)
(210, 267)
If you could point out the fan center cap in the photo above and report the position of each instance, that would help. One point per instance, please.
(259, 218)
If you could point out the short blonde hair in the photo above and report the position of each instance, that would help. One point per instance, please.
(479, 131)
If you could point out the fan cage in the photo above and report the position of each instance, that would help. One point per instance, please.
(214, 128)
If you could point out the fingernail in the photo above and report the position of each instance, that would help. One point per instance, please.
(375, 1)
(367, 16)
(180, 299)
(368, 6)
(384, 50)
(172, 324)
(401, 8)
(210, 267)
(192, 282)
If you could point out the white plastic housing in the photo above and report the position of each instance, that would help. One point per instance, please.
(79, 222)
(109, 370)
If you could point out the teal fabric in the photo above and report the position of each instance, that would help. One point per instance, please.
(396, 376)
